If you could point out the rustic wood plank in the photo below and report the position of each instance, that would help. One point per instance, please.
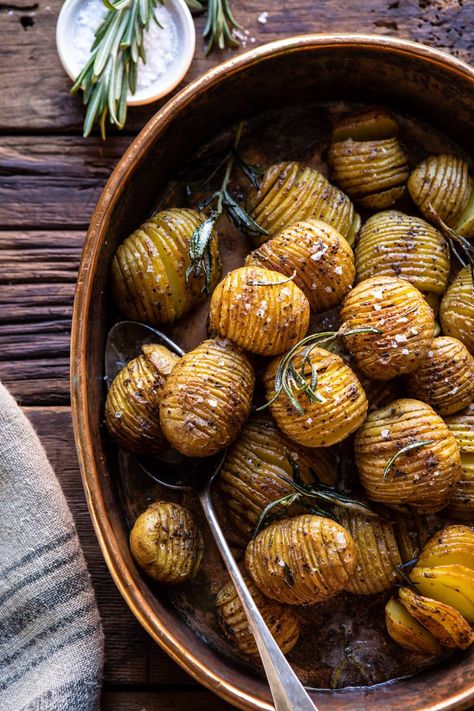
(53, 181)
(158, 700)
(30, 71)
(132, 657)
(37, 280)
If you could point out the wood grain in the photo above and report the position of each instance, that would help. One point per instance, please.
(159, 700)
(30, 70)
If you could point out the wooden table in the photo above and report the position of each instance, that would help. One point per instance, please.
(50, 179)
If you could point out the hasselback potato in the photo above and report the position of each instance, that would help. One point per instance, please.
(457, 309)
(451, 584)
(282, 620)
(395, 468)
(442, 183)
(462, 426)
(149, 281)
(343, 405)
(454, 544)
(412, 533)
(368, 124)
(301, 560)
(319, 257)
(290, 192)
(207, 398)
(373, 173)
(250, 477)
(259, 310)
(132, 408)
(398, 310)
(393, 244)
(166, 543)
(444, 378)
(377, 554)
(404, 629)
(443, 621)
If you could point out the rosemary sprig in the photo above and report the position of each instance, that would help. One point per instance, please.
(404, 450)
(111, 70)
(220, 24)
(462, 249)
(406, 580)
(310, 496)
(221, 201)
(289, 380)
(284, 280)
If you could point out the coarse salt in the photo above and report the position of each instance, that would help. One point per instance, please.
(161, 44)
(385, 433)
(263, 17)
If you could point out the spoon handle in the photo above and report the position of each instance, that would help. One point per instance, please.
(287, 691)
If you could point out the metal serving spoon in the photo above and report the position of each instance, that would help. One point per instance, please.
(178, 472)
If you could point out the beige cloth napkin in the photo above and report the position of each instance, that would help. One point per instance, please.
(51, 642)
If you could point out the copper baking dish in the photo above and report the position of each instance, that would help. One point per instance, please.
(426, 82)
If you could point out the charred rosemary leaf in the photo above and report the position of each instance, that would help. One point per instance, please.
(221, 201)
(461, 247)
(405, 450)
(285, 280)
(252, 172)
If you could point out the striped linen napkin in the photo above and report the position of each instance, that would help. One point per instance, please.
(51, 642)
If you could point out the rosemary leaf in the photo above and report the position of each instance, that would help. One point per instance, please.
(284, 280)
(240, 218)
(459, 245)
(219, 26)
(252, 172)
(266, 517)
(200, 250)
(404, 450)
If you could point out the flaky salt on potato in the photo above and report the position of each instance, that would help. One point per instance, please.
(149, 270)
(406, 631)
(302, 560)
(442, 183)
(340, 410)
(407, 458)
(250, 478)
(394, 244)
(132, 408)
(318, 256)
(443, 621)
(282, 620)
(290, 192)
(207, 398)
(457, 309)
(259, 310)
(166, 543)
(444, 378)
(377, 554)
(404, 320)
(461, 425)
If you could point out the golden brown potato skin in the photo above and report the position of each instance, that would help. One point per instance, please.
(454, 544)
(377, 553)
(207, 398)
(445, 377)
(254, 309)
(249, 479)
(301, 560)
(322, 424)
(370, 123)
(393, 244)
(132, 408)
(282, 620)
(451, 584)
(166, 543)
(319, 257)
(443, 621)
(443, 183)
(422, 479)
(461, 425)
(149, 268)
(373, 173)
(290, 192)
(397, 309)
(457, 309)
(404, 629)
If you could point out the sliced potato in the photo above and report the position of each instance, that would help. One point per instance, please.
(451, 584)
(443, 621)
(368, 124)
(461, 425)
(407, 632)
(457, 309)
(454, 544)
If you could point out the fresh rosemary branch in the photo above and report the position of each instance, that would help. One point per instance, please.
(309, 496)
(221, 201)
(404, 450)
(111, 71)
(288, 379)
(220, 24)
(462, 249)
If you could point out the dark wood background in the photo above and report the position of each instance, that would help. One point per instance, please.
(50, 179)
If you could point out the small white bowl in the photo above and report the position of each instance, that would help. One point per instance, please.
(65, 32)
